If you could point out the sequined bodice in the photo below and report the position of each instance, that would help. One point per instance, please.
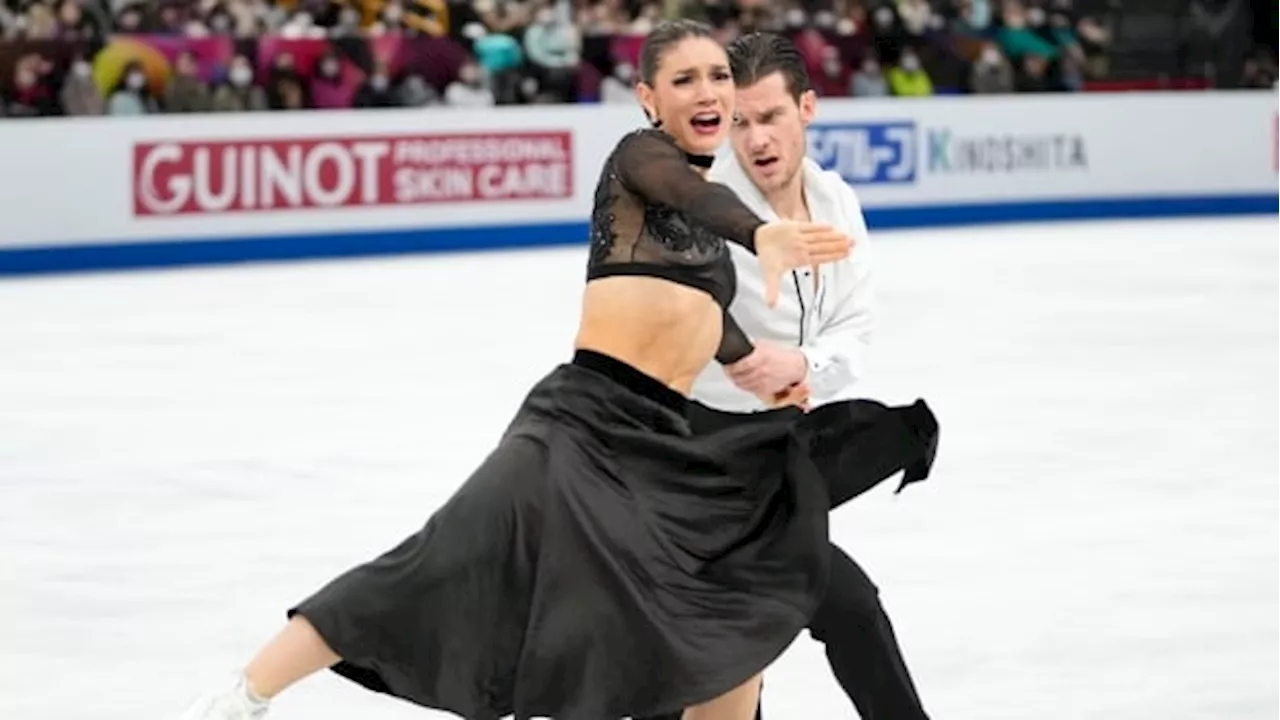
(654, 215)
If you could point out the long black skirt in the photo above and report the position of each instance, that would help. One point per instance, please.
(855, 444)
(602, 562)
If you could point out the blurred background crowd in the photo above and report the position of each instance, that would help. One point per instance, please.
(131, 57)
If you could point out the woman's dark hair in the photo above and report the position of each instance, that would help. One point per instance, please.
(662, 38)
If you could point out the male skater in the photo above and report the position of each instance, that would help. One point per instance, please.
(814, 341)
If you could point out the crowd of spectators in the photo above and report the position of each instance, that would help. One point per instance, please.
(71, 56)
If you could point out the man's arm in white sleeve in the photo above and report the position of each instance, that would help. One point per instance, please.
(837, 354)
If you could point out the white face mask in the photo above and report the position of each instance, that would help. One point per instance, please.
(991, 56)
(846, 26)
(1035, 17)
(241, 76)
(136, 81)
(910, 63)
(379, 82)
(82, 70)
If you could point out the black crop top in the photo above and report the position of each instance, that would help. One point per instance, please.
(654, 215)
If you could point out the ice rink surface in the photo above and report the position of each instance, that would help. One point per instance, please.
(185, 454)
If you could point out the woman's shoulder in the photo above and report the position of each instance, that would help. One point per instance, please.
(645, 138)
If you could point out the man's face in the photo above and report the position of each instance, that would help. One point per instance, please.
(769, 134)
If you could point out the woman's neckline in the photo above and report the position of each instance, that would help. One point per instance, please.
(702, 161)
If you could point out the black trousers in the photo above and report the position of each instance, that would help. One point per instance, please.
(851, 622)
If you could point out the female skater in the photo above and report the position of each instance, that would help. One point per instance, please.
(603, 562)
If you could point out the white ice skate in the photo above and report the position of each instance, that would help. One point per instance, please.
(233, 704)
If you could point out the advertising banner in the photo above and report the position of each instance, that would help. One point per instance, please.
(195, 177)
(407, 179)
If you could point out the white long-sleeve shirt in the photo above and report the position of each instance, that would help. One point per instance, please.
(830, 322)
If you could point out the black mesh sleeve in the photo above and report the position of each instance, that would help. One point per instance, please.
(650, 164)
(734, 343)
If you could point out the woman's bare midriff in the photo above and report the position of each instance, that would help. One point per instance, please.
(665, 330)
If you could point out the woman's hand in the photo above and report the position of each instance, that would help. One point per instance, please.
(784, 245)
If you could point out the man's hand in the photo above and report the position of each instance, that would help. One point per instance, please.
(797, 395)
(770, 370)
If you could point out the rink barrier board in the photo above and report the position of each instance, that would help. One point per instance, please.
(156, 191)
(337, 245)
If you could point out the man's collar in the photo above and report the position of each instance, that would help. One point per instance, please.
(728, 171)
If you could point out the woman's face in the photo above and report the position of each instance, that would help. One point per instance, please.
(692, 94)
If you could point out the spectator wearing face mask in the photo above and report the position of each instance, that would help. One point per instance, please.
(219, 21)
(390, 18)
(991, 72)
(850, 39)
(347, 24)
(186, 92)
(469, 90)
(915, 16)
(238, 93)
(619, 87)
(888, 36)
(129, 19)
(80, 94)
(973, 17)
(869, 80)
(132, 95)
(329, 90)
(908, 79)
(375, 91)
(301, 25)
(551, 44)
(834, 80)
(649, 16)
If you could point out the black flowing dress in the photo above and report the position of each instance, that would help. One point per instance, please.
(604, 561)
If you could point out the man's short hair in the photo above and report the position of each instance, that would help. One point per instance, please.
(756, 56)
